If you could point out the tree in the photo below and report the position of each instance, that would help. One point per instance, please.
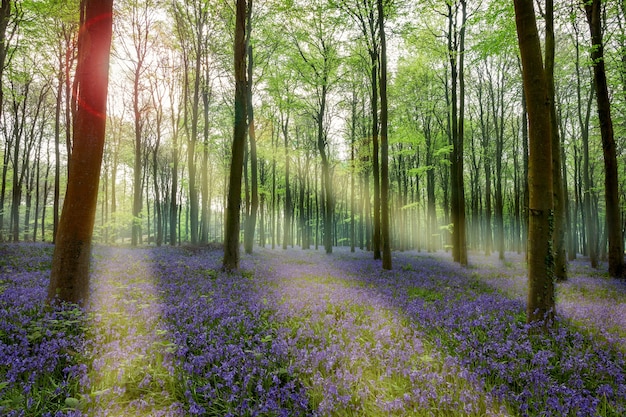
(69, 278)
(231, 236)
(364, 15)
(540, 307)
(456, 57)
(611, 185)
(560, 259)
(254, 206)
(319, 62)
(192, 22)
(7, 11)
(384, 143)
(141, 25)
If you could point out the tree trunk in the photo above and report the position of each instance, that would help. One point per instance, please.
(611, 185)
(328, 204)
(250, 228)
(590, 230)
(540, 307)
(560, 258)
(287, 206)
(376, 247)
(173, 209)
(231, 236)
(137, 167)
(456, 53)
(385, 234)
(206, 203)
(5, 17)
(69, 279)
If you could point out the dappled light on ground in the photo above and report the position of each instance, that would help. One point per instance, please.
(131, 370)
(301, 333)
(359, 353)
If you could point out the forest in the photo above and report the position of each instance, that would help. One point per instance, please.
(428, 199)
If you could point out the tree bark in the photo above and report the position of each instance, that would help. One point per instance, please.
(5, 17)
(456, 46)
(231, 237)
(287, 207)
(611, 186)
(540, 306)
(385, 234)
(254, 203)
(560, 258)
(69, 279)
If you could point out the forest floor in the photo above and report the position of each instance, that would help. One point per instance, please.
(302, 333)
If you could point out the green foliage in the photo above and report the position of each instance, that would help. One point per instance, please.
(498, 35)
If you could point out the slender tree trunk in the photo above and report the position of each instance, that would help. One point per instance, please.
(137, 167)
(5, 17)
(157, 190)
(231, 237)
(287, 207)
(541, 303)
(353, 172)
(69, 279)
(456, 53)
(274, 203)
(206, 207)
(384, 144)
(173, 215)
(376, 243)
(254, 203)
(327, 186)
(57, 149)
(560, 258)
(611, 185)
(16, 192)
(194, 203)
(584, 115)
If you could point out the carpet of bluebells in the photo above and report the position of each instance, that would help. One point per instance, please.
(302, 333)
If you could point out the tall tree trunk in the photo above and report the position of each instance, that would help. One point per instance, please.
(611, 186)
(353, 171)
(206, 204)
(584, 115)
(137, 167)
(57, 148)
(6, 10)
(250, 228)
(376, 247)
(231, 237)
(487, 157)
(18, 128)
(328, 203)
(540, 306)
(157, 99)
(287, 207)
(456, 52)
(385, 234)
(192, 140)
(69, 278)
(560, 258)
(173, 209)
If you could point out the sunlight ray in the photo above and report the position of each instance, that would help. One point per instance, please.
(131, 371)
